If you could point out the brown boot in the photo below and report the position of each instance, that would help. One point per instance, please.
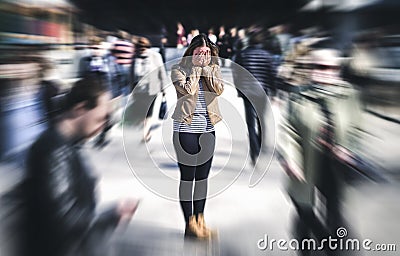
(202, 226)
(193, 230)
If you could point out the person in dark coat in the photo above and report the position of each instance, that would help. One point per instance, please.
(259, 62)
(57, 195)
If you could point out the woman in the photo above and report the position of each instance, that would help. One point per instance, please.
(197, 80)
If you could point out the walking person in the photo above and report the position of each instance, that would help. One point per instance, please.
(232, 38)
(197, 81)
(118, 61)
(122, 52)
(102, 61)
(258, 61)
(56, 199)
(149, 78)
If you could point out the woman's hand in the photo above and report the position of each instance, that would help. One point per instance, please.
(202, 57)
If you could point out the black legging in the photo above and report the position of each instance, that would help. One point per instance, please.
(194, 152)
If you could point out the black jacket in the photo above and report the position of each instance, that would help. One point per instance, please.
(259, 62)
(58, 198)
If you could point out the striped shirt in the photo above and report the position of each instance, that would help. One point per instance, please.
(123, 51)
(201, 121)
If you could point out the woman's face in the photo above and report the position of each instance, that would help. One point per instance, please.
(201, 56)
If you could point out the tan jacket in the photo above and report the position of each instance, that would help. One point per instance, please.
(186, 82)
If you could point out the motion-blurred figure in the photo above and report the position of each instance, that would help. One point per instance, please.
(181, 36)
(232, 37)
(258, 61)
(149, 78)
(212, 36)
(50, 94)
(324, 116)
(223, 44)
(115, 64)
(56, 199)
(242, 40)
(272, 45)
(96, 59)
(122, 52)
(284, 36)
(163, 42)
(192, 34)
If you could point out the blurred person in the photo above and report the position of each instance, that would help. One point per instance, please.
(96, 59)
(284, 36)
(181, 36)
(149, 78)
(258, 61)
(197, 80)
(221, 32)
(295, 68)
(223, 44)
(272, 45)
(192, 34)
(326, 116)
(120, 61)
(115, 64)
(163, 42)
(242, 41)
(100, 60)
(211, 35)
(56, 201)
(122, 50)
(47, 93)
(50, 94)
(232, 37)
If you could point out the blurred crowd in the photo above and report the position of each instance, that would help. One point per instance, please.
(52, 208)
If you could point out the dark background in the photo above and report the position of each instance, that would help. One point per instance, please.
(148, 17)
